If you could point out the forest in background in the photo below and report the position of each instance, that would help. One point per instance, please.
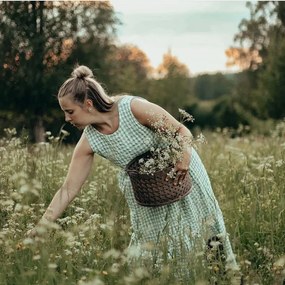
(41, 42)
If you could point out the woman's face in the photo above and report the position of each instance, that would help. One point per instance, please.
(75, 114)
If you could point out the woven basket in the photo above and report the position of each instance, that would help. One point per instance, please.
(152, 190)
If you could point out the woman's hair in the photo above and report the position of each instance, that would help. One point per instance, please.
(82, 85)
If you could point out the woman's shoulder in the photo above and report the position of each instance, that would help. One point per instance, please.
(133, 103)
(126, 97)
(120, 97)
(117, 97)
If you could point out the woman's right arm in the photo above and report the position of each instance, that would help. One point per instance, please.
(78, 171)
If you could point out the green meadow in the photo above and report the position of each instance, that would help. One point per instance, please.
(89, 244)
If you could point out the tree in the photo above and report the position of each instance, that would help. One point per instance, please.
(272, 77)
(211, 86)
(271, 83)
(130, 70)
(244, 58)
(39, 42)
(171, 88)
(253, 36)
(172, 67)
(261, 50)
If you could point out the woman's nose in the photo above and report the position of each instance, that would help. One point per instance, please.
(67, 118)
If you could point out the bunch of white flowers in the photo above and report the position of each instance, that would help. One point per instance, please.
(170, 147)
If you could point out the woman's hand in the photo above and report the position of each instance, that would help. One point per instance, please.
(78, 171)
(179, 172)
(182, 167)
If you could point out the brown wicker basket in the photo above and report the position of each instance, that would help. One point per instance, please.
(152, 190)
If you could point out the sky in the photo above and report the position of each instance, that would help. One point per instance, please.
(196, 32)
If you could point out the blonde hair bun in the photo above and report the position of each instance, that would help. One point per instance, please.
(82, 72)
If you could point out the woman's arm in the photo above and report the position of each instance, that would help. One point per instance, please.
(145, 112)
(78, 171)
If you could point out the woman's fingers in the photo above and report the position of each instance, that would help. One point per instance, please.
(179, 177)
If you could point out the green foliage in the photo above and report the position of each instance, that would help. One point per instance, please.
(261, 38)
(212, 86)
(41, 41)
(39, 44)
(170, 93)
(223, 112)
(271, 87)
(129, 70)
(170, 87)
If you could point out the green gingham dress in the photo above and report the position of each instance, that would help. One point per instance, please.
(195, 217)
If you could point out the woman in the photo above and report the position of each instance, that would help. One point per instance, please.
(119, 129)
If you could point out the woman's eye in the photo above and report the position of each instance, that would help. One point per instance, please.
(70, 112)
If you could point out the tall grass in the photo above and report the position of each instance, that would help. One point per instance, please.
(89, 243)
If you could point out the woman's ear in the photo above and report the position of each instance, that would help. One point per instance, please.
(89, 103)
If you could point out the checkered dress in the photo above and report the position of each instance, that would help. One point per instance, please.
(195, 217)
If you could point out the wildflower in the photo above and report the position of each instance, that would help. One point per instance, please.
(112, 253)
(67, 252)
(186, 116)
(215, 244)
(10, 132)
(141, 160)
(115, 267)
(19, 246)
(52, 265)
(95, 281)
(216, 268)
(64, 133)
(28, 241)
(141, 273)
(133, 251)
(247, 262)
(36, 257)
(171, 144)
(279, 163)
(18, 207)
(280, 262)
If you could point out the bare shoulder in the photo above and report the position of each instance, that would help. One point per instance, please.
(118, 97)
(144, 110)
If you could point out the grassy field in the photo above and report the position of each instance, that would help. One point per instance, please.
(89, 244)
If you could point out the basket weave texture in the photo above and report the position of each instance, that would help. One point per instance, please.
(152, 190)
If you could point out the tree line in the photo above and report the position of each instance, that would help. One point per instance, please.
(41, 41)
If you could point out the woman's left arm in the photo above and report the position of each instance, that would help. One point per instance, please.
(145, 111)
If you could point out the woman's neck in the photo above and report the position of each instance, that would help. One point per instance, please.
(107, 122)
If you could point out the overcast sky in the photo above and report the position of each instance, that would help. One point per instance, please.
(197, 32)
